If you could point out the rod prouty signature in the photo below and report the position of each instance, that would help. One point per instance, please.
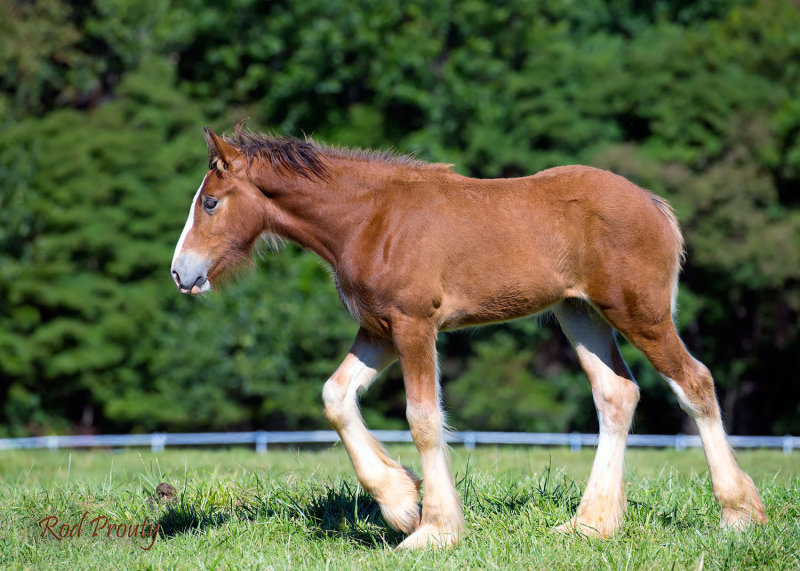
(100, 526)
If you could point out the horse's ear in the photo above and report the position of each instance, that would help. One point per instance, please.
(220, 153)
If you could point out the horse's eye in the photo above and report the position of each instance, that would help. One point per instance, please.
(209, 203)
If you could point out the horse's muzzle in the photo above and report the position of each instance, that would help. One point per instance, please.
(195, 288)
(190, 275)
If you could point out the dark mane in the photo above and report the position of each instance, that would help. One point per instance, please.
(304, 157)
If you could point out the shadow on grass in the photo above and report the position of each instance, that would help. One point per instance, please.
(553, 496)
(186, 518)
(350, 513)
(337, 511)
(670, 517)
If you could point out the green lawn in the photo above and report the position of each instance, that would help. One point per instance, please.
(304, 509)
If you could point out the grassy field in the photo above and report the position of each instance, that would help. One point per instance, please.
(289, 509)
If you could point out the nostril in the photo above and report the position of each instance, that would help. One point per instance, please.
(189, 272)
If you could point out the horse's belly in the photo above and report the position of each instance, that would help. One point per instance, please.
(502, 305)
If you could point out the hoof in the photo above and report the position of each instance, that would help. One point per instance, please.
(741, 519)
(743, 508)
(583, 528)
(428, 536)
(402, 516)
(400, 504)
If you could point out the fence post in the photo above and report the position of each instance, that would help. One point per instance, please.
(157, 441)
(788, 444)
(52, 442)
(680, 442)
(575, 441)
(469, 439)
(261, 442)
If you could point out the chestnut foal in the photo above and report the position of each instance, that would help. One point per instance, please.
(416, 248)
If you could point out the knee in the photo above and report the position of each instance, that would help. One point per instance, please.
(624, 393)
(333, 397)
(631, 394)
(616, 402)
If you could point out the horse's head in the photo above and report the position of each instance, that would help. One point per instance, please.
(226, 218)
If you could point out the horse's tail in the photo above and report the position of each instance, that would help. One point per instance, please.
(679, 246)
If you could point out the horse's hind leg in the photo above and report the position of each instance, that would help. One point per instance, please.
(393, 485)
(693, 385)
(615, 396)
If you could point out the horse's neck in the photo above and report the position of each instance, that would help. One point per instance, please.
(321, 216)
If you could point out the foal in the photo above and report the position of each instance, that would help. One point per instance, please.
(416, 248)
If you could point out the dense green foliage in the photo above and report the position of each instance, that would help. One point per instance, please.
(289, 510)
(101, 109)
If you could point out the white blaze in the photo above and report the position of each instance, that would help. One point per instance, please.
(188, 225)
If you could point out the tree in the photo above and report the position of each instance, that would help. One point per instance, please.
(102, 105)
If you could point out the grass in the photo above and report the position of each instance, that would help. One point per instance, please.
(289, 509)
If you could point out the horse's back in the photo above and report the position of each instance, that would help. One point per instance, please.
(574, 211)
(571, 231)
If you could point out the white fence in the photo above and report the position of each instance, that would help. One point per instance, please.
(262, 439)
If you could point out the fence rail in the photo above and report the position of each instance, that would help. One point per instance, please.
(262, 439)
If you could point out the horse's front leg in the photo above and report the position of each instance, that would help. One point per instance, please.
(442, 518)
(393, 485)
